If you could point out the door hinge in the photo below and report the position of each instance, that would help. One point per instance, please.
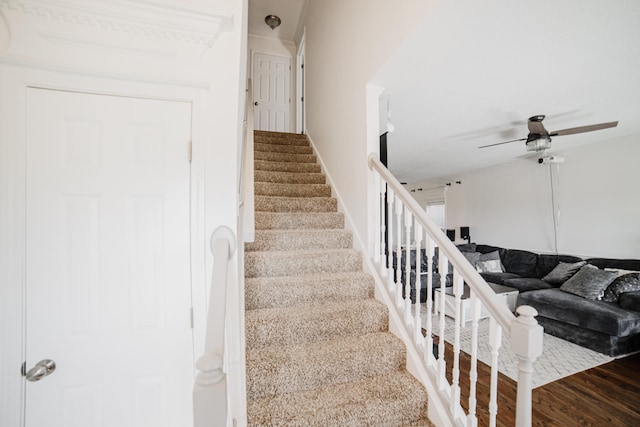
(190, 151)
(23, 369)
(302, 66)
(302, 99)
(191, 316)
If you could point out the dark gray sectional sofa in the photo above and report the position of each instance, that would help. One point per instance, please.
(570, 309)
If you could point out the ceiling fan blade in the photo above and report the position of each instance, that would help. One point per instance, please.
(582, 129)
(505, 142)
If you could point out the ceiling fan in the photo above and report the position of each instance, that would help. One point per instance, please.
(539, 139)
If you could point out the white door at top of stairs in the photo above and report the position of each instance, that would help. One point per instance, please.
(271, 92)
(108, 289)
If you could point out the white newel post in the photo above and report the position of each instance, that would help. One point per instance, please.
(526, 343)
(210, 390)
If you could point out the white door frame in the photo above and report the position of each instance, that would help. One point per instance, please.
(14, 82)
(254, 85)
(300, 94)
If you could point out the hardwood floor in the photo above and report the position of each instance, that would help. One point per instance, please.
(607, 395)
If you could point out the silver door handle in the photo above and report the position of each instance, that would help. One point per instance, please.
(42, 369)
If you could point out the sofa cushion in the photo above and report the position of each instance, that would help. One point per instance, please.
(589, 282)
(547, 262)
(599, 316)
(498, 278)
(522, 263)
(626, 264)
(622, 284)
(467, 247)
(525, 284)
(562, 272)
(630, 301)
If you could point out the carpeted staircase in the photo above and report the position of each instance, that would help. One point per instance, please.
(318, 348)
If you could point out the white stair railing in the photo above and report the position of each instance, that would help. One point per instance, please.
(402, 211)
(210, 389)
(219, 394)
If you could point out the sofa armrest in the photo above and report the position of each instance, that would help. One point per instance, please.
(630, 300)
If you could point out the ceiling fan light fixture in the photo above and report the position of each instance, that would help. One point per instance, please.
(272, 21)
(539, 144)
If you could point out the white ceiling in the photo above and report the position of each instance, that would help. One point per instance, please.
(474, 71)
(289, 11)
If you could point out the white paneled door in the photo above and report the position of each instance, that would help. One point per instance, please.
(271, 92)
(108, 261)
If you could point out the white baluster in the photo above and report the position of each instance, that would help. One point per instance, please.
(472, 419)
(398, 252)
(443, 266)
(418, 322)
(495, 342)
(526, 343)
(390, 200)
(430, 359)
(458, 289)
(408, 221)
(376, 221)
(381, 215)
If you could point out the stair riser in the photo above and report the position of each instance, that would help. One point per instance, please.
(289, 177)
(265, 165)
(275, 264)
(292, 190)
(300, 240)
(285, 157)
(282, 148)
(321, 364)
(319, 322)
(272, 292)
(298, 221)
(292, 204)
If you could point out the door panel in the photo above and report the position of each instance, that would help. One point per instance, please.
(272, 77)
(108, 263)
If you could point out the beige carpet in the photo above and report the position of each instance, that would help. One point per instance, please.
(319, 352)
(559, 358)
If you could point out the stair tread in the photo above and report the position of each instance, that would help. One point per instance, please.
(384, 400)
(298, 220)
(287, 291)
(293, 167)
(292, 190)
(289, 177)
(306, 366)
(282, 148)
(300, 239)
(314, 322)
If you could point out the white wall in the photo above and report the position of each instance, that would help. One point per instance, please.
(598, 196)
(346, 42)
(258, 44)
(165, 51)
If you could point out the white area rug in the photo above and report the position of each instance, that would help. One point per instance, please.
(559, 358)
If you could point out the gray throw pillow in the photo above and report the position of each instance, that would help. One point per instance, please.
(622, 284)
(490, 256)
(562, 272)
(472, 257)
(589, 282)
(490, 266)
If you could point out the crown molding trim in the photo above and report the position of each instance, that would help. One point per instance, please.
(162, 19)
